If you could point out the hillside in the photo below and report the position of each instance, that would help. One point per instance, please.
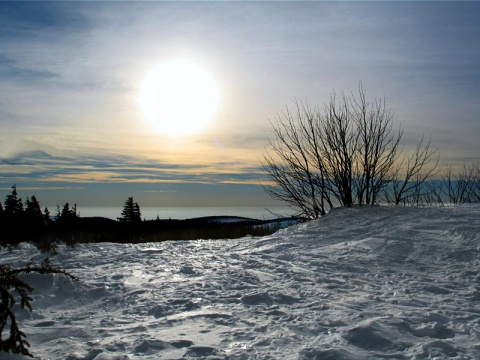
(360, 283)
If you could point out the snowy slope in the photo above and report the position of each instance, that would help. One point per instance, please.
(360, 283)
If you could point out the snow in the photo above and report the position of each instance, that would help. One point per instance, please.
(360, 283)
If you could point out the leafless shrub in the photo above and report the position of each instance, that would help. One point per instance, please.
(463, 187)
(348, 153)
(410, 174)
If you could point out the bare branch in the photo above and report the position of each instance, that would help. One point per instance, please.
(349, 152)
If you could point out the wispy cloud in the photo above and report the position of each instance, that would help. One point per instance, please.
(45, 188)
(42, 166)
(10, 70)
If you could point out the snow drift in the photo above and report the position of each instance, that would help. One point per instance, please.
(360, 283)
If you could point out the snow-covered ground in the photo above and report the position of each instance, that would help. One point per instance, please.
(360, 283)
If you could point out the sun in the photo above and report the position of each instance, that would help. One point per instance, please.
(178, 98)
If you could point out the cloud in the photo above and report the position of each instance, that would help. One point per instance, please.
(46, 188)
(23, 19)
(39, 165)
(10, 71)
(34, 157)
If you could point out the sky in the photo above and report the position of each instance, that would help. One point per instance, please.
(71, 128)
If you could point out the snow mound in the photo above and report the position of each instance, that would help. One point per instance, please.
(360, 283)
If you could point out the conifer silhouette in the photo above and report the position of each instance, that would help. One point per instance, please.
(131, 211)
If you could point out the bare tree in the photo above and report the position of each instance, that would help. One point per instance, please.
(463, 187)
(296, 179)
(338, 147)
(378, 147)
(477, 181)
(411, 173)
(346, 153)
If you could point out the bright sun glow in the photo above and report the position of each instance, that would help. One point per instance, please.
(178, 98)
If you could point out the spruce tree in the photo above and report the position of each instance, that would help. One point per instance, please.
(33, 212)
(131, 211)
(15, 290)
(67, 214)
(137, 214)
(13, 205)
(46, 216)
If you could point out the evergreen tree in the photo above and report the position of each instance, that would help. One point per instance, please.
(46, 216)
(137, 214)
(13, 287)
(12, 227)
(65, 211)
(73, 212)
(13, 205)
(67, 214)
(33, 212)
(131, 211)
(2, 216)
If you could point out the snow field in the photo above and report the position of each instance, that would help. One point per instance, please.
(360, 283)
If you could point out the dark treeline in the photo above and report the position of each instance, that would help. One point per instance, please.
(21, 220)
(26, 221)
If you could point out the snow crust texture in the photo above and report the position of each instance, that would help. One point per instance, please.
(360, 283)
